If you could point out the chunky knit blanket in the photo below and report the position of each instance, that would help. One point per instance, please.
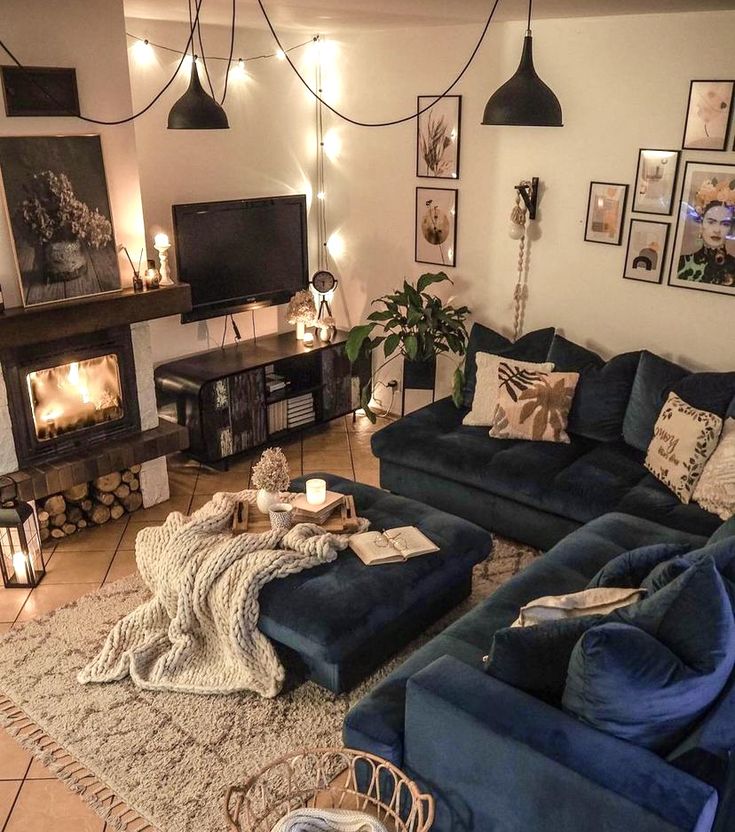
(199, 632)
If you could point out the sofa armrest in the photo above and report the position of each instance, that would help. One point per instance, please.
(497, 758)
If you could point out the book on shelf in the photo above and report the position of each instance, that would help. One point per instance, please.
(298, 423)
(306, 398)
(277, 417)
(391, 546)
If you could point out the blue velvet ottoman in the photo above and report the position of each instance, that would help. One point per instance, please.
(340, 621)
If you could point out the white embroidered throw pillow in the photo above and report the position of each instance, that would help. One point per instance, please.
(487, 388)
(715, 490)
(595, 601)
(684, 438)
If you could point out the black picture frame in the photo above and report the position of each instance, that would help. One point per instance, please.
(685, 210)
(619, 238)
(40, 91)
(421, 102)
(451, 237)
(674, 181)
(664, 249)
(684, 144)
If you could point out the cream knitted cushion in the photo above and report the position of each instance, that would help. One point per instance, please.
(487, 389)
(715, 490)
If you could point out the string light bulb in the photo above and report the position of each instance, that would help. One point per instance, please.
(143, 52)
(332, 144)
(321, 195)
(281, 55)
(239, 70)
(336, 245)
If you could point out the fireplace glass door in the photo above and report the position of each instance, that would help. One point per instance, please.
(75, 396)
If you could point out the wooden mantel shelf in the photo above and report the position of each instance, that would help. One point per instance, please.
(49, 322)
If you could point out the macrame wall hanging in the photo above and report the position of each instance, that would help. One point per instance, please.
(523, 210)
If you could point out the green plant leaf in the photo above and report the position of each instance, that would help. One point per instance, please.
(355, 339)
(429, 278)
(365, 395)
(411, 345)
(391, 343)
(380, 315)
(458, 387)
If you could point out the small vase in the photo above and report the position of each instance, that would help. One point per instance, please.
(300, 330)
(266, 499)
(63, 260)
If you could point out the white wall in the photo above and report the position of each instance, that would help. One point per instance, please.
(88, 35)
(623, 83)
(268, 150)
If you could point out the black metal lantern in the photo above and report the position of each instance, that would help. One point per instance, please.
(21, 553)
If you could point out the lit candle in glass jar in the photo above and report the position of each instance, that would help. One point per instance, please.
(20, 559)
(316, 491)
(308, 339)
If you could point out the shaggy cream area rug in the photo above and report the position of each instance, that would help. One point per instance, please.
(159, 760)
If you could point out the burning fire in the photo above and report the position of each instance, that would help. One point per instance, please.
(75, 396)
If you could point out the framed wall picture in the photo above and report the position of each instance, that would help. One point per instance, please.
(709, 111)
(40, 91)
(605, 213)
(436, 226)
(655, 181)
(437, 137)
(704, 246)
(59, 215)
(646, 252)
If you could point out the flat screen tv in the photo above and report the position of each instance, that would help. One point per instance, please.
(241, 254)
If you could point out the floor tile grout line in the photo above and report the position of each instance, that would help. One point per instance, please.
(15, 799)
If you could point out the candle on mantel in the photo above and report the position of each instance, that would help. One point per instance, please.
(316, 491)
(20, 560)
(308, 339)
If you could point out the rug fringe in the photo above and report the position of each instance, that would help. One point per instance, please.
(114, 811)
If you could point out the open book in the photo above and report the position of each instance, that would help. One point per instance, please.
(391, 546)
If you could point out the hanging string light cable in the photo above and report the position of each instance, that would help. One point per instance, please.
(393, 122)
(321, 207)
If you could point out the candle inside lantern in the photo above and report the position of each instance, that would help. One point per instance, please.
(308, 339)
(316, 491)
(20, 560)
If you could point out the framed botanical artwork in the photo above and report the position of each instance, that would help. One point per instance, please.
(709, 111)
(437, 137)
(59, 215)
(655, 181)
(646, 252)
(436, 226)
(40, 91)
(605, 213)
(704, 246)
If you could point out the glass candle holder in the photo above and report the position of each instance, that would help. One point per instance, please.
(316, 491)
(308, 339)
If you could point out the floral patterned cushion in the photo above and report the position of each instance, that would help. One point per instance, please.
(715, 490)
(533, 404)
(684, 438)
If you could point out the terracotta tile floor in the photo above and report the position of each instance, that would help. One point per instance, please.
(31, 799)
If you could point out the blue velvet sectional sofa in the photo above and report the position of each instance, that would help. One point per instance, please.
(496, 758)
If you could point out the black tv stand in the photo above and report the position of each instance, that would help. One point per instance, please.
(221, 395)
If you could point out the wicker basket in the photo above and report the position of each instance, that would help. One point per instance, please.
(328, 779)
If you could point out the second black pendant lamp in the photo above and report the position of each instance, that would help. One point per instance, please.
(196, 109)
(524, 100)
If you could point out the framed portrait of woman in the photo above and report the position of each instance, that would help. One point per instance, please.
(704, 247)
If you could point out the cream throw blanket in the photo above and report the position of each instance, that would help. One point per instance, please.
(199, 632)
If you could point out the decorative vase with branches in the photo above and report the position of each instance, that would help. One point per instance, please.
(415, 324)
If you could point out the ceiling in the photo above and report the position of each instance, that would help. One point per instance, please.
(330, 15)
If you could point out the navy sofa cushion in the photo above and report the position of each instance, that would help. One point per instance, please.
(655, 379)
(652, 669)
(602, 392)
(533, 346)
(631, 568)
(578, 481)
(535, 659)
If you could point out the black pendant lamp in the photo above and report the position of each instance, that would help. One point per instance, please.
(524, 100)
(196, 109)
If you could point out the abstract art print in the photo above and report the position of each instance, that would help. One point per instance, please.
(644, 258)
(59, 214)
(437, 137)
(436, 226)
(605, 213)
(655, 181)
(704, 248)
(709, 111)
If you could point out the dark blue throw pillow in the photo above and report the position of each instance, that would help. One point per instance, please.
(655, 379)
(632, 568)
(533, 346)
(652, 669)
(535, 659)
(602, 392)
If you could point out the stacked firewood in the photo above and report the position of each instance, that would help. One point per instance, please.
(90, 504)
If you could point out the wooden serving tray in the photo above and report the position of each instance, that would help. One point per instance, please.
(343, 519)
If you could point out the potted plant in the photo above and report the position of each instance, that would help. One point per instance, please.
(62, 223)
(418, 326)
(301, 311)
(270, 477)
